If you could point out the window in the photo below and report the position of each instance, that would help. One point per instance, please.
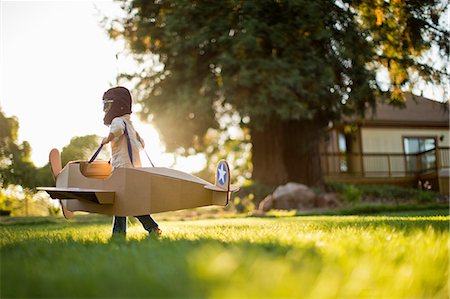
(419, 153)
(415, 145)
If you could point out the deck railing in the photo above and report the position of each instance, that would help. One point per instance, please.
(385, 164)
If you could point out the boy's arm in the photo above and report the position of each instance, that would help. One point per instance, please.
(108, 139)
(117, 128)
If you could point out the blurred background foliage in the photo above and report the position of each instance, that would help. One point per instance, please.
(82, 148)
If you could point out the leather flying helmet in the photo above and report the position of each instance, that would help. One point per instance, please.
(116, 102)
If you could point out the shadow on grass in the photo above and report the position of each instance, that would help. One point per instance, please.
(136, 268)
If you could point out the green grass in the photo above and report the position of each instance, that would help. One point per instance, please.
(393, 256)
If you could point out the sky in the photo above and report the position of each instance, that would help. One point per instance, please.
(56, 63)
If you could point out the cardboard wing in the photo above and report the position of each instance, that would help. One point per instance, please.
(90, 195)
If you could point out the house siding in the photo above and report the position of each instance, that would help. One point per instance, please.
(390, 140)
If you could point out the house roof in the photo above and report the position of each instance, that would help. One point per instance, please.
(419, 111)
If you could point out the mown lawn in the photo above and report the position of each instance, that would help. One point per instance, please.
(394, 256)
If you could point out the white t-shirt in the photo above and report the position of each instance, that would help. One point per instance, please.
(119, 146)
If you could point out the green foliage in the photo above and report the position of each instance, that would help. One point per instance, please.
(54, 210)
(44, 176)
(402, 32)
(6, 203)
(259, 191)
(394, 192)
(352, 194)
(332, 257)
(388, 191)
(15, 163)
(243, 205)
(21, 201)
(333, 186)
(426, 196)
(82, 148)
(383, 192)
(9, 127)
(232, 147)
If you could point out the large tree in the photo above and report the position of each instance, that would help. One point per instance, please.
(289, 68)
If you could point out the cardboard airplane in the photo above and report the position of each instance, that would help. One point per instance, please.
(92, 186)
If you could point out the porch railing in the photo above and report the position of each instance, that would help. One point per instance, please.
(385, 164)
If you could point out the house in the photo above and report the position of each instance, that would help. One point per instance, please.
(403, 146)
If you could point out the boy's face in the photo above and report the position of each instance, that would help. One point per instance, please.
(107, 104)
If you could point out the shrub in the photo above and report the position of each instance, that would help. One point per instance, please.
(243, 205)
(256, 190)
(335, 187)
(352, 194)
(388, 191)
(425, 196)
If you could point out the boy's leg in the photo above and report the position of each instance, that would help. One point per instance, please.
(147, 222)
(119, 225)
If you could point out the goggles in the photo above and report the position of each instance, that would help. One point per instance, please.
(107, 104)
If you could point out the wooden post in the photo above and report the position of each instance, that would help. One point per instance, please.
(361, 155)
(437, 154)
(361, 158)
(389, 164)
(438, 165)
(417, 163)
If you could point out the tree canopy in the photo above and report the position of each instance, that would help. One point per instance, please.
(401, 32)
(16, 166)
(288, 68)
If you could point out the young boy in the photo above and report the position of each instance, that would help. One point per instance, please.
(125, 145)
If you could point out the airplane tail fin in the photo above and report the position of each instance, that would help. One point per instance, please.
(56, 166)
(223, 177)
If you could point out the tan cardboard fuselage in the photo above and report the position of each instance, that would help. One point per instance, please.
(140, 191)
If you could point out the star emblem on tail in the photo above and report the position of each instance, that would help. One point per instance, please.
(222, 174)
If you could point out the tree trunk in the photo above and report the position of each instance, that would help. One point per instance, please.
(301, 152)
(286, 152)
(267, 154)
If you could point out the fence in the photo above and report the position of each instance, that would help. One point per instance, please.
(385, 164)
